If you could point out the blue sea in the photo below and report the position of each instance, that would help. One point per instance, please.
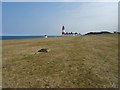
(22, 37)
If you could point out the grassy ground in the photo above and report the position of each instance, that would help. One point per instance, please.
(0, 64)
(77, 62)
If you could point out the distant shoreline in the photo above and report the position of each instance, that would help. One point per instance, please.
(22, 37)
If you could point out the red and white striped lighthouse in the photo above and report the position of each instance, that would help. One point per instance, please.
(63, 30)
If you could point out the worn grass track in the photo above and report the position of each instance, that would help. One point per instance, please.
(89, 61)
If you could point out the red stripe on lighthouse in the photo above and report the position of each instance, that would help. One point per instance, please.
(63, 30)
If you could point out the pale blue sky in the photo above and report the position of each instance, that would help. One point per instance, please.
(60, 0)
(0, 18)
(39, 18)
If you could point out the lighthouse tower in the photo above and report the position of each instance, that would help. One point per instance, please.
(63, 30)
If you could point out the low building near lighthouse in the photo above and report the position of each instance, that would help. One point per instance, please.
(64, 33)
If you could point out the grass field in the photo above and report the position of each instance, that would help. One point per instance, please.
(89, 61)
(0, 64)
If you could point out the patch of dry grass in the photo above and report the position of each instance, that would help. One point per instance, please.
(78, 62)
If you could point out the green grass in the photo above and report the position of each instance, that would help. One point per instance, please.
(89, 61)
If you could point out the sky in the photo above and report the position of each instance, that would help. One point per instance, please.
(60, 0)
(0, 18)
(40, 18)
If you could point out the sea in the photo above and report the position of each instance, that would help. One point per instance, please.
(22, 37)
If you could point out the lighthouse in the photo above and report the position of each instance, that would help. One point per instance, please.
(63, 30)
